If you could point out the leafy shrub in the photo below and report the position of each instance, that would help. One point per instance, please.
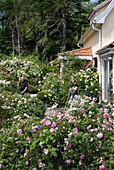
(41, 95)
(11, 105)
(59, 142)
(15, 68)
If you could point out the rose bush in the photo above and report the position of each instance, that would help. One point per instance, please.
(59, 141)
(15, 68)
(11, 105)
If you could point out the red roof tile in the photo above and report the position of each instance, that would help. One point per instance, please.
(107, 46)
(87, 51)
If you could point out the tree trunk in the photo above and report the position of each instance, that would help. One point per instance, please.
(13, 42)
(64, 25)
(79, 19)
(36, 49)
(79, 31)
(18, 32)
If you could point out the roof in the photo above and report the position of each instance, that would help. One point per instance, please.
(111, 45)
(87, 51)
(97, 8)
(97, 20)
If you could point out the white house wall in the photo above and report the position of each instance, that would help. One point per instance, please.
(108, 29)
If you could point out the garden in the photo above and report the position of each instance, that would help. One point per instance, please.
(77, 135)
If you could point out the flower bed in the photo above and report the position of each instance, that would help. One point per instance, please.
(59, 142)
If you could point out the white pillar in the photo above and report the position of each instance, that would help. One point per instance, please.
(99, 70)
(61, 69)
(108, 72)
(113, 72)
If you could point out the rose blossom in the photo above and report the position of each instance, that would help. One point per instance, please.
(39, 161)
(47, 122)
(19, 131)
(54, 124)
(106, 115)
(65, 149)
(89, 127)
(69, 144)
(70, 121)
(51, 130)
(99, 135)
(25, 154)
(102, 167)
(27, 163)
(45, 151)
(75, 130)
(82, 110)
(68, 161)
(82, 156)
(27, 138)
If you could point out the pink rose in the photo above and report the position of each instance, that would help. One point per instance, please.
(65, 149)
(54, 124)
(39, 161)
(27, 163)
(68, 161)
(47, 122)
(82, 110)
(102, 167)
(75, 130)
(69, 144)
(106, 115)
(89, 127)
(27, 138)
(51, 130)
(99, 135)
(70, 121)
(45, 151)
(19, 131)
(82, 156)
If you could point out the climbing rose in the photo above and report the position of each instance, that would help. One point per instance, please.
(54, 124)
(45, 151)
(19, 131)
(99, 135)
(106, 115)
(102, 167)
(82, 156)
(82, 110)
(68, 161)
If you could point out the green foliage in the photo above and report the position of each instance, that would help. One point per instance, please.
(41, 95)
(11, 105)
(38, 26)
(13, 69)
(59, 141)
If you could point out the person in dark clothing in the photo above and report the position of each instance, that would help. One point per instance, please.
(23, 86)
(73, 89)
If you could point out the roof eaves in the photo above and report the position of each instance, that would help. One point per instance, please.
(98, 7)
(101, 18)
(85, 34)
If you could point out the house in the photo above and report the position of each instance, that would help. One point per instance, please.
(100, 36)
(99, 39)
